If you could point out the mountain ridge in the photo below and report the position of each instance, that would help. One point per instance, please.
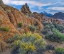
(59, 15)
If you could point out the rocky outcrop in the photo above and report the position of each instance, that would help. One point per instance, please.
(37, 16)
(4, 22)
(11, 17)
(25, 9)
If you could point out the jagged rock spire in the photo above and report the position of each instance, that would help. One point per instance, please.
(25, 9)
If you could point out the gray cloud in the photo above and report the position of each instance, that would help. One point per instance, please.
(53, 5)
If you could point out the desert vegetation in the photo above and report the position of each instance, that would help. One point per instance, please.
(32, 28)
(53, 32)
(29, 43)
(4, 29)
(20, 24)
(59, 50)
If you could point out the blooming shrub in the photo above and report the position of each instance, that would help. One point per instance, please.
(29, 43)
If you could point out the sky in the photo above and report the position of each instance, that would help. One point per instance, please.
(50, 6)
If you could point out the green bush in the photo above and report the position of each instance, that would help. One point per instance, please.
(4, 29)
(47, 28)
(59, 51)
(20, 24)
(55, 36)
(29, 43)
(32, 28)
(53, 32)
(59, 27)
(58, 34)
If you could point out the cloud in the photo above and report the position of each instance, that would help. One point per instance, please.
(7, 1)
(56, 8)
(50, 6)
(21, 2)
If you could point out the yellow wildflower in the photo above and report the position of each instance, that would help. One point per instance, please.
(38, 36)
(32, 47)
(28, 34)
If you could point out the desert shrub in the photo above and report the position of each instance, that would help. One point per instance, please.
(4, 29)
(59, 51)
(45, 31)
(32, 28)
(47, 28)
(53, 32)
(59, 27)
(20, 24)
(29, 43)
(55, 36)
(58, 34)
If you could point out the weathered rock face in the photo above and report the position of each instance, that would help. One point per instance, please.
(37, 16)
(16, 17)
(25, 9)
(11, 17)
(4, 22)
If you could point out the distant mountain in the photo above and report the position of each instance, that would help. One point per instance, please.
(59, 15)
(47, 14)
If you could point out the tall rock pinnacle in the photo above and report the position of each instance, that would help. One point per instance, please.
(25, 9)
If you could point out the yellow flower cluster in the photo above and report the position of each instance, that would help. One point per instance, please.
(32, 47)
(28, 34)
(17, 42)
(38, 36)
(24, 45)
(35, 34)
(28, 46)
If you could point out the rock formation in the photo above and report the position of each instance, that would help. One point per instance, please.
(11, 17)
(25, 9)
